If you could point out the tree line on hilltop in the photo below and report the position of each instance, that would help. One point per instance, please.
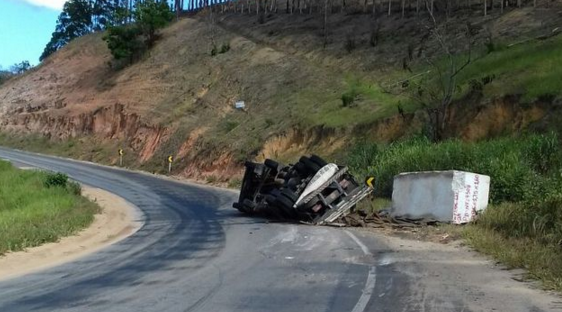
(132, 24)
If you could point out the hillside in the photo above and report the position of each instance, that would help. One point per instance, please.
(179, 99)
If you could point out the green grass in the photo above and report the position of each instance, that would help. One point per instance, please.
(522, 235)
(531, 69)
(31, 213)
(523, 226)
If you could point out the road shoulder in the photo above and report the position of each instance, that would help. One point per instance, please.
(118, 220)
(449, 277)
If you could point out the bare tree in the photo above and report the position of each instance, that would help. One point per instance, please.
(325, 23)
(389, 6)
(434, 89)
(436, 94)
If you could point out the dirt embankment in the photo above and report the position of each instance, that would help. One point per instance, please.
(179, 99)
(117, 221)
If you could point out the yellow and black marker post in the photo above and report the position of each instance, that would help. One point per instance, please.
(170, 161)
(121, 153)
(369, 182)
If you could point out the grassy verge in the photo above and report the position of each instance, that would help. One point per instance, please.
(523, 226)
(39, 207)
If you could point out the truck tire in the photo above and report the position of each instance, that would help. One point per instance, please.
(300, 168)
(318, 160)
(271, 164)
(290, 195)
(273, 209)
(285, 205)
(310, 166)
(249, 205)
(292, 183)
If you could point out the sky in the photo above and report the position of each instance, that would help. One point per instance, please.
(25, 28)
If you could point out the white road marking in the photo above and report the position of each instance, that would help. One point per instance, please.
(371, 278)
(359, 243)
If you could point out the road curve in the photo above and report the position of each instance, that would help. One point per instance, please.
(195, 253)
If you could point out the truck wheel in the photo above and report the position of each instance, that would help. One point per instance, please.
(286, 206)
(249, 205)
(300, 169)
(273, 210)
(310, 166)
(318, 160)
(272, 164)
(289, 194)
(293, 182)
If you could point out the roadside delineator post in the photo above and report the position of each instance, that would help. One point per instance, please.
(121, 157)
(170, 161)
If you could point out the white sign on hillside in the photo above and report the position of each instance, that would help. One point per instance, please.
(239, 105)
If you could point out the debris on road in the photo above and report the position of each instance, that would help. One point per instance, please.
(445, 196)
(311, 191)
(381, 219)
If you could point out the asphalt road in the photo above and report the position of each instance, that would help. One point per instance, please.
(195, 253)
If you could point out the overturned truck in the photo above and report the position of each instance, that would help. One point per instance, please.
(311, 191)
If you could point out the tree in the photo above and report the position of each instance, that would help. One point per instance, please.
(123, 42)
(130, 40)
(74, 21)
(435, 93)
(150, 16)
(435, 89)
(20, 68)
(5, 75)
(81, 17)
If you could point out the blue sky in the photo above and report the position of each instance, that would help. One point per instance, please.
(25, 28)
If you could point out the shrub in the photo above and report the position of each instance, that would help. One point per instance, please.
(349, 97)
(230, 125)
(74, 188)
(225, 47)
(56, 180)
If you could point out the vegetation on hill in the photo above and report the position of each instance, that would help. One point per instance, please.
(39, 207)
(81, 17)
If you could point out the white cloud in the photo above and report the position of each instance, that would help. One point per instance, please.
(51, 4)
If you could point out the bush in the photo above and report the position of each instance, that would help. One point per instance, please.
(225, 48)
(349, 97)
(56, 180)
(74, 188)
(519, 167)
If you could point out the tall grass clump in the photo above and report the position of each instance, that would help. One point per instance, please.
(519, 167)
(38, 207)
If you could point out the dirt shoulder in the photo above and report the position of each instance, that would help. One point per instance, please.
(440, 270)
(118, 220)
